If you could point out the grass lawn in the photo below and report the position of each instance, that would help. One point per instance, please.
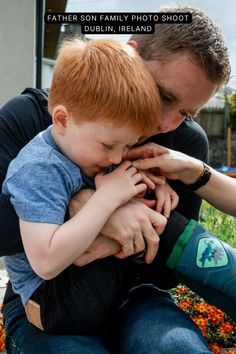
(221, 225)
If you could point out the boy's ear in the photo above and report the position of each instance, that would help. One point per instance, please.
(60, 118)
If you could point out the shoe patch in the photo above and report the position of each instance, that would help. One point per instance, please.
(211, 253)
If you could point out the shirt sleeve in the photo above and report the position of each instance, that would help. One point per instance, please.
(20, 120)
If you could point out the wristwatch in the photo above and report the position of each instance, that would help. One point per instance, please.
(201, 181)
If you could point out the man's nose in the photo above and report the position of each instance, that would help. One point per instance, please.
(170, 121)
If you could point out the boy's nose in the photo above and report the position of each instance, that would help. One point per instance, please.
(115, 158)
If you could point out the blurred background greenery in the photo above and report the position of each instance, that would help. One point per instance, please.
(221, 225)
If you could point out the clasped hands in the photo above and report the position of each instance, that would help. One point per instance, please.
(134, 226)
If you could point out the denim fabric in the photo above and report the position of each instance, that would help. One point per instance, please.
(151, 324)
(79, 299)
(23, 338)
(147, 324)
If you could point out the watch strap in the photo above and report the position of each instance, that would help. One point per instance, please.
(201, 181)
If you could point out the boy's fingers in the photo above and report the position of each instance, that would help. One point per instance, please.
(167, 206)
(174, 201)
(160, 200)
(140, 187)
(156, 179)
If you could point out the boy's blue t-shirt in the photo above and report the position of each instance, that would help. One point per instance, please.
(40, 182)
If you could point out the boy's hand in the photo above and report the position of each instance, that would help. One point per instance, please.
(120, 185)
(167, 199)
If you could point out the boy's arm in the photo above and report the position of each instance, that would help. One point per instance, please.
(55, 247)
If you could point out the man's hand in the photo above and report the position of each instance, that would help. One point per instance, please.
(169, 163)
(135, 227)
(101, 247)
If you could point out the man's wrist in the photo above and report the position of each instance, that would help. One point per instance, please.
(201, 180)
(193, 170)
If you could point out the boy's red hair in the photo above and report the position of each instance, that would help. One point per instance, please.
(105, 79)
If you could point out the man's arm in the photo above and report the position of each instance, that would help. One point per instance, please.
(10, 240)
(220, 190)
(20, 120)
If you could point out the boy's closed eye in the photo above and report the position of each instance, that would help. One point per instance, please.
(108, 147)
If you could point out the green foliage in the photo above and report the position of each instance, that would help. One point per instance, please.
(232, 110)
(221, 225)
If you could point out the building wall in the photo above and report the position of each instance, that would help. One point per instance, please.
(214, 124)
(17, 44)
(47, 71)
(212, 121)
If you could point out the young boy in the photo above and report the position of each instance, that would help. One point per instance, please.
(102, 101)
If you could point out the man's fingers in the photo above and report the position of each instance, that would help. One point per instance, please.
(139, 243)
(132, 246)
(152, 243)
(145, 164)
(146, 150)
(158, 221)
(139, 152)
(83, 260)
(161, 180)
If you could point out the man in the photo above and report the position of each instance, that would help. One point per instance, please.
(189, 63)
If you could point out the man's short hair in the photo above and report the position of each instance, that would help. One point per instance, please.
(105, 79)
(202, 38)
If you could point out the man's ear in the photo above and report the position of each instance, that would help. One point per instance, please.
(133, 44)
(60, 118)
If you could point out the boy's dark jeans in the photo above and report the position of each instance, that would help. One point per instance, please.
(79, 299)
